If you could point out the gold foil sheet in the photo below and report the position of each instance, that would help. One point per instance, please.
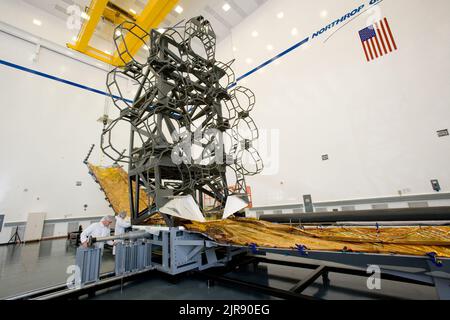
(114, 183)
(416, 241)
(402, 240)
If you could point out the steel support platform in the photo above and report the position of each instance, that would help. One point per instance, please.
(176, 252)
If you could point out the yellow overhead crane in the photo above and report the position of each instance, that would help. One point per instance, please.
(151, 16)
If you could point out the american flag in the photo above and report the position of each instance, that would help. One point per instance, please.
(377, 40)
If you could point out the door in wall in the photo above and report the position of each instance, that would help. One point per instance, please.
(35, 224)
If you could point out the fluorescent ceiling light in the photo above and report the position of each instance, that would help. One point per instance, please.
(133, 11)
(248, 60)
(234, 49)
(294, 31)
(226, 7)
(324, 14)
(280, 15)
(179, 9)
(85, 16)
(37, 22)
(255, 34)
(269, 47)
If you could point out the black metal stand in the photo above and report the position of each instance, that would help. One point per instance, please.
(296, 292)
(15, 237)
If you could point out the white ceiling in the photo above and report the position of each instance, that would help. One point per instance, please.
(222, 21)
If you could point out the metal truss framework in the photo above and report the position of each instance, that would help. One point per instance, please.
(190, 134)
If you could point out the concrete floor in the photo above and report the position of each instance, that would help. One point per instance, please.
(39, 265)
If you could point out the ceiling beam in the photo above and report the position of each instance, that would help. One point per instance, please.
(150, 18)
(95, 13)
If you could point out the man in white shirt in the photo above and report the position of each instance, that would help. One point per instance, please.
(121, 225)
(97, 230)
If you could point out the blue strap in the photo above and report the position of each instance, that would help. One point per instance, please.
(434, 259)
(302, 250)
(253, 248)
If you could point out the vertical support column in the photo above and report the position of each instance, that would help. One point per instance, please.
(120, 259)
(165, 250)
(137, 196)
(200, 200)
(173, 259)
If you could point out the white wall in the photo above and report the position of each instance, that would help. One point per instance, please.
(377, 121)
(61, 228)
(21, 14)
(46, 129)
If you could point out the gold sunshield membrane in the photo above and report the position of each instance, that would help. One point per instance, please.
(416, 241)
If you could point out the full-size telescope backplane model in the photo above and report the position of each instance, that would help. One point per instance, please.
(191, 134)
